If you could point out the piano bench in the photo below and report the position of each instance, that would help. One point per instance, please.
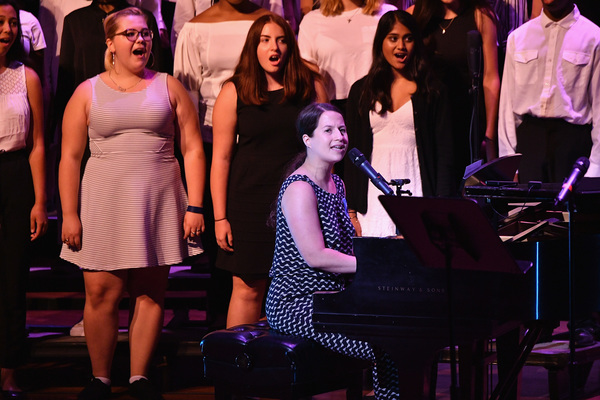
(554, 357)
(253, 360)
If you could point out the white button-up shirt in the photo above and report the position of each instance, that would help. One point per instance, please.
(552, 70)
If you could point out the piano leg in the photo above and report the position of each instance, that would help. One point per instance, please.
(512, 355)
(415, 372)
(473, 375)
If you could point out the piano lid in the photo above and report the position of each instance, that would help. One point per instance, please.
(434, 225)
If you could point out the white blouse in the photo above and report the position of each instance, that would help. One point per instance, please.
(205, 56)
(14, 108)
(340, 46)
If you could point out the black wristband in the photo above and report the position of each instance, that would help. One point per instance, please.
(195, 210)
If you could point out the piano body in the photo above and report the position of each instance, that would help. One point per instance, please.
(402, 305)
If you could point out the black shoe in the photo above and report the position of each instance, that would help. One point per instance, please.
(13, 395)
(142, 389)
(95, 390)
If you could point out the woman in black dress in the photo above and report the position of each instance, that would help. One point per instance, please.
(445, 25)
(253, 141)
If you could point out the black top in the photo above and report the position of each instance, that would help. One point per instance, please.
(450, 60)
(266, 144)
(434, 146)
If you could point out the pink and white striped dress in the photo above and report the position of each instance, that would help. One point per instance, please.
(132, 200)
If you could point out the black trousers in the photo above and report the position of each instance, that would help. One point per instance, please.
(16, 200)
(550, 147)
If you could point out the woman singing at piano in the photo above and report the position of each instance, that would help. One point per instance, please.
(313, 246)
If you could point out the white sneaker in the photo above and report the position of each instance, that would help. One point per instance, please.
(77, 329)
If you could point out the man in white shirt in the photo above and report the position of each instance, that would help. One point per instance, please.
(550, 96)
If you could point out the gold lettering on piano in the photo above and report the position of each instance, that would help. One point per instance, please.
(411, 289)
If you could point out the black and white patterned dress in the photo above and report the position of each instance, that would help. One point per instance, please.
(289, 300)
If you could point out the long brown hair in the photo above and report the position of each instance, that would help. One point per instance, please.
(250, 80)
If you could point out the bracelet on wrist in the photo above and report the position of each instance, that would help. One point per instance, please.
(220, 219)
(195, 210)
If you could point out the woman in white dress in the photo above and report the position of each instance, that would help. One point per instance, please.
(398, 117)
(338, 38)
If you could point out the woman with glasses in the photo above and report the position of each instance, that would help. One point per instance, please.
(129, 218)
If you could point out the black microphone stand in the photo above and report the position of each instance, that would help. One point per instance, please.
(399, 183)
(474, 129)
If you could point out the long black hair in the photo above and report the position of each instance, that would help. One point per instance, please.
(377, 88)
(16, 51)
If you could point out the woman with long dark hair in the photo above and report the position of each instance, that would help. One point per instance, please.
(313, 249)
(446, 25)
(254, 139)
(22, 189)
(398, 117)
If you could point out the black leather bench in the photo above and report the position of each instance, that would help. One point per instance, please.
(253, 360)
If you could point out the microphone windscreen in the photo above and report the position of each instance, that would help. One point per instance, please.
(356, 156)
(473, 39)
(582, 163)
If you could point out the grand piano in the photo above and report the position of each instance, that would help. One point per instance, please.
(448, 282)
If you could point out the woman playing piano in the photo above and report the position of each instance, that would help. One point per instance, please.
(313, 247)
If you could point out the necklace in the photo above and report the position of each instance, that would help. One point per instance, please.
(122, 89)
(353, 15)
(448, 26)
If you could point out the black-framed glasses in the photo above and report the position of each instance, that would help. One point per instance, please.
(133, 34)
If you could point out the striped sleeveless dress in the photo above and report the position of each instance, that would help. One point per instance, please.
(132, 199)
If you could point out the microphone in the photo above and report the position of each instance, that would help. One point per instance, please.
(361, 162)
(474, 55)
(579, 169)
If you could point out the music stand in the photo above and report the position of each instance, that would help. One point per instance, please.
(450, 233)
(499, 169)
(433, 225)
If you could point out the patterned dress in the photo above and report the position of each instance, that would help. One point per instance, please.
(132, 199)
(289, 300)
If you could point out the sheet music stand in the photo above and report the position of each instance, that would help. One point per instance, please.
(451, 234)
(499, 169)
(426, 222)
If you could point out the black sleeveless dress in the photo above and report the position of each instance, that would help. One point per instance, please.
(450, 57)
(266, 144)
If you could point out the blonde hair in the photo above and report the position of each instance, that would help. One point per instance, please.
(111, 26)
(330, 8)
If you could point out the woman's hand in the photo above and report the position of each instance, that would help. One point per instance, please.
(223, 235)
(38, 221)
(71, 232)
(193, 225)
